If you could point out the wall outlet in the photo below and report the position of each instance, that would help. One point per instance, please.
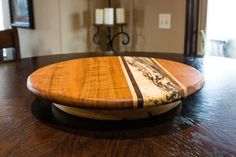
(164, 21)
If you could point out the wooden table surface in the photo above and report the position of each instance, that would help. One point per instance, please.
(204, 125)
(115, 82)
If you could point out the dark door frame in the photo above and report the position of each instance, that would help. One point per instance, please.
(191, 27)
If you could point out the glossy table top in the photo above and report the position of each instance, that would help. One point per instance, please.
(205, 124)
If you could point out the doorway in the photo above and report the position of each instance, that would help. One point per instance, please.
(210, 28)
(220, 28)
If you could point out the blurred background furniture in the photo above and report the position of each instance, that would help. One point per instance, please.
(230, 48)
(9, 39)
(222, 48)
(216, 47)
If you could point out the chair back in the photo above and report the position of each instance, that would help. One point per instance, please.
(9, 39)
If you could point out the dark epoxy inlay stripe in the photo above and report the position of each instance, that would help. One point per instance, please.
(135, 85)
(167, 75)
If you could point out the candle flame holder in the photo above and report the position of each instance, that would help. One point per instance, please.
(110, 38)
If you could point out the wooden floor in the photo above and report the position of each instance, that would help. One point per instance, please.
(204, 125)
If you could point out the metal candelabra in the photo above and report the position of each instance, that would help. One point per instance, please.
(110, 36)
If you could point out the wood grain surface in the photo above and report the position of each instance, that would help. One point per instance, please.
(203, 126)
(115, 82)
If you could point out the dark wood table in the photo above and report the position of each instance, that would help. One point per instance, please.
(204, 125)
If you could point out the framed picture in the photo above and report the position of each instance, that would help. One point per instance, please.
(21, 12)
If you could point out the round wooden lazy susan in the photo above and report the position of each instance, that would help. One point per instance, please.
(115, 88)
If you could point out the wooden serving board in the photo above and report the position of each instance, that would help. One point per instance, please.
(115, 83)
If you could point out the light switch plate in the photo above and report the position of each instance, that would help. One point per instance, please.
(165, 21)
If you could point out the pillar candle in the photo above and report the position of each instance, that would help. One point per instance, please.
(120, 15)
(99, 16)
(109, 16)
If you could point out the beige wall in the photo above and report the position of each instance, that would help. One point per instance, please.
(63, 26)
(143, 19)
(45, 39)
(77, 29)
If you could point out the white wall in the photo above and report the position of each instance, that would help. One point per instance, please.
(1, 17)
(6, 16)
